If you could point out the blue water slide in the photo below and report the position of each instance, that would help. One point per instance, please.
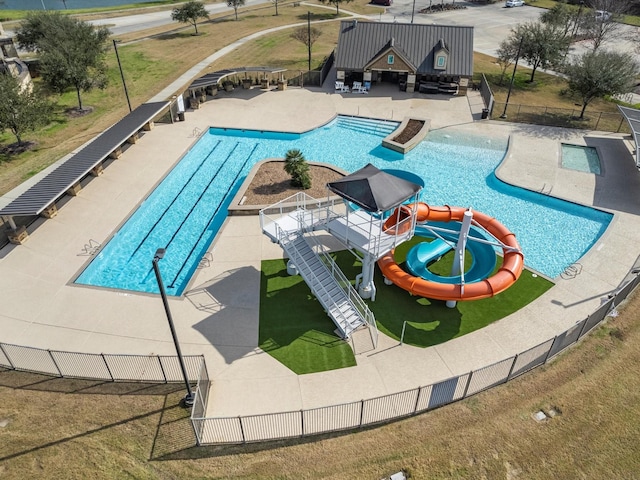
(483, 255)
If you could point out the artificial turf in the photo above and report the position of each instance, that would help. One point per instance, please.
(295, 330)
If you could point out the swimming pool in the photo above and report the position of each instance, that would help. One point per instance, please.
(184, 213)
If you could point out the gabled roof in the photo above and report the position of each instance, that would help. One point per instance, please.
(392, 45)
(359, 42)
(374, 190)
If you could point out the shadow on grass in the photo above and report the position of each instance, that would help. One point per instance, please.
(294, 328)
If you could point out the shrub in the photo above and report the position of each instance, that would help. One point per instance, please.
(296, 165)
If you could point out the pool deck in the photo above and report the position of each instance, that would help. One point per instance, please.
(218, 315)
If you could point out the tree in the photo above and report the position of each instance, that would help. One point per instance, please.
(72, 52)
(22, 110)
(599, 28)
(563, 17)
(543, 45)
(600, 73)
(235, 4)
(506, 54)
(308, 36)
(296, 165)
(336, 3)
(275, 4)
(190, 12)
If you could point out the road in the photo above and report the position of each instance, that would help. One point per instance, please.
(143, 21)
(492, 22)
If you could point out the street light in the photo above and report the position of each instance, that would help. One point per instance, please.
(513, 76)
(115, 47)
(189, 397)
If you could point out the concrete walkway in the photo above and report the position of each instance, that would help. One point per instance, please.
(218, 315)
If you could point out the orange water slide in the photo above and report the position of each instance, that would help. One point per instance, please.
(507, 274)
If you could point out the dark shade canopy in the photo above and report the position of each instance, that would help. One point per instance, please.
(374, 190)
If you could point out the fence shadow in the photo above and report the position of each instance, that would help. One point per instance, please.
(34, 381)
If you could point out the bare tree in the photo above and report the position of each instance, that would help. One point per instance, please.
(307, 35)
(603, 24)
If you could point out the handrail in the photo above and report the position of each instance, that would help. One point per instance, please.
(344, 283)
(284, 240)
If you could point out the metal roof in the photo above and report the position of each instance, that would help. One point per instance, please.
(215, 77)
(37, 198)
(633, 119)
(359, 42)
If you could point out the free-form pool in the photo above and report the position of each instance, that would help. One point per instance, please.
(184, 213)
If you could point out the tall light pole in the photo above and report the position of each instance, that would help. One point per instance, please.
(309, 37)
(126, 92)
(189, 397)
(513, 76)
(413, 9)
(43, 7)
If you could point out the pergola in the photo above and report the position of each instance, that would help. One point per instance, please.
(213, 79)
(633, 119)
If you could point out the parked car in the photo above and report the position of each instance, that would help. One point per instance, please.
(602, 16)
(514, 3)
(386, 3)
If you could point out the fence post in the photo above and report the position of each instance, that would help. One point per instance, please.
(56, 364)
(515, 359)
(584, 325)
(164, 375)
(244, 440)
(302, 422)
(107, 366)
(466, 387)
(550, 348)
(415, 407)
(5, 354)
(361, 411)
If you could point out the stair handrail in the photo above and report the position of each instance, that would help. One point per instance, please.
(284, 239)
(345, 284)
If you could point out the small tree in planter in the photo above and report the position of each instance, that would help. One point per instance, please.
(296, 165)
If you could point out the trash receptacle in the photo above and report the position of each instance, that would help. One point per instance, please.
(485, 113)
(181, 116)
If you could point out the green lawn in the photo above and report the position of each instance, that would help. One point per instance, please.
(295, 330)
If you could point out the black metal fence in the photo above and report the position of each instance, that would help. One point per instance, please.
(354, 415)
(313, 78)
(487, 95)
(563, 117)
(99, 366)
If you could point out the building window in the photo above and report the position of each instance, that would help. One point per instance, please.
(390, 59)
(440, 61)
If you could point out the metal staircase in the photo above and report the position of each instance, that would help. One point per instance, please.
(321, 275)
(292, 229)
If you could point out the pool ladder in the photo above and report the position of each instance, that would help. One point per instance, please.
(90, 249)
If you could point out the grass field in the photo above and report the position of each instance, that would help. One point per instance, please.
(73, 429)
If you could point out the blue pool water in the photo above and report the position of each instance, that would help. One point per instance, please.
(581, 158)
(184, 213)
